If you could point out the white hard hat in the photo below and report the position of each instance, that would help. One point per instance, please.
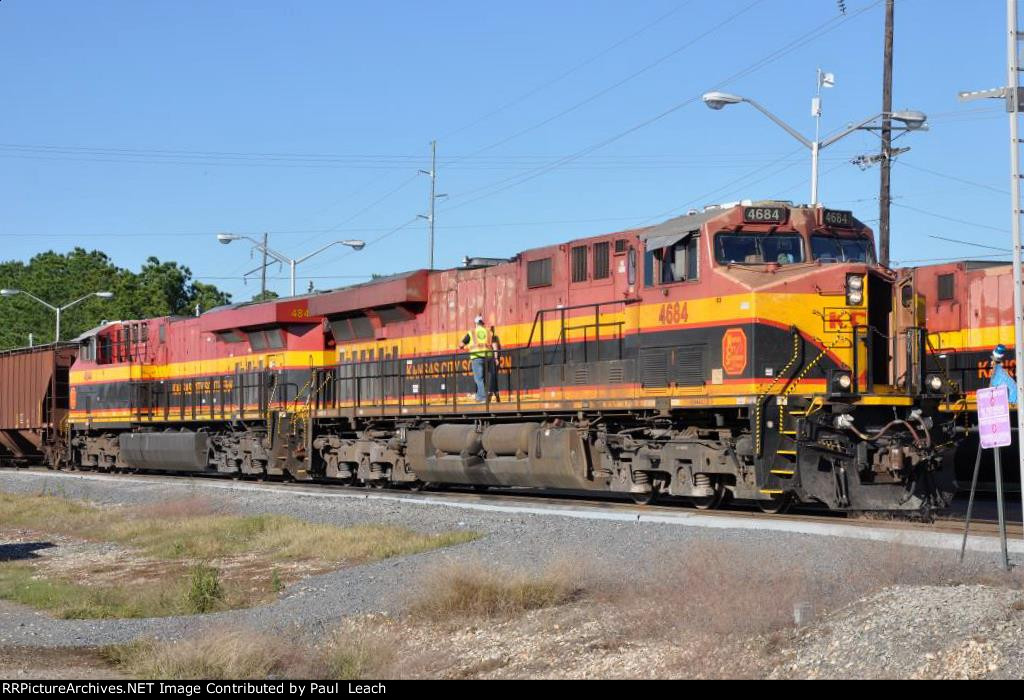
(478, 319)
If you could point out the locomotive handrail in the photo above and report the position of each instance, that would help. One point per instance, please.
(797, 353)
(538, 316)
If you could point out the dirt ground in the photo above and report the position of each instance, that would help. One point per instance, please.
(34, 663)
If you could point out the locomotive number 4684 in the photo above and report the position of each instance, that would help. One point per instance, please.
(672, 314)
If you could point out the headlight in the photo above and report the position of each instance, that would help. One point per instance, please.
(935, 383)
(841, 382)
(854, 289)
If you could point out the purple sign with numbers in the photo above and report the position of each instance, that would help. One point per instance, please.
(994, 417)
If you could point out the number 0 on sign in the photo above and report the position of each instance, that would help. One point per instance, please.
(994, 417)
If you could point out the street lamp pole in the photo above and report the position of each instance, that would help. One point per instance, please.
(912, 120)
(1012, 95)
(292, 263)
(58, 310)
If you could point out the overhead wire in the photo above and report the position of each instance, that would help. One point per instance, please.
(816, 32)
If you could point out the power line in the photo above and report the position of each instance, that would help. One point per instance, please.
(970, 243)
(623, 81)
(953, 178)
(818, 31)
(368, 207)
(298, 277)
(949, 218)
(374, 241)
(703, 198)
(565, 74)
(180, 234)
(952, 259)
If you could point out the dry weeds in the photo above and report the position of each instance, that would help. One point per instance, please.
(466, 589)
(351, 653)
(705, 610)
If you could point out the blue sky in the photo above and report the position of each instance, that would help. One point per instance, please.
(143, 128)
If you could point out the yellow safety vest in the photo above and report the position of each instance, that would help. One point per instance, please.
(479, 342)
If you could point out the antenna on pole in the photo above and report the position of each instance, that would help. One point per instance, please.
(434, 196)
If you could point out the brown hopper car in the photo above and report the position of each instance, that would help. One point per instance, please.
(33, 401)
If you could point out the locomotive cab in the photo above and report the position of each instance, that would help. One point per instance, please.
(790, 315)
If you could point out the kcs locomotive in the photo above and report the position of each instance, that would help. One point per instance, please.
(750, 351)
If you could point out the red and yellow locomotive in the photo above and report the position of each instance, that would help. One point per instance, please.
(741, 351)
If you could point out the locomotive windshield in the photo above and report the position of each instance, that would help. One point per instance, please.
(759, 248)
(831, 249)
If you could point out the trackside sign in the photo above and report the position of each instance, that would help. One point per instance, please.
(994, 417)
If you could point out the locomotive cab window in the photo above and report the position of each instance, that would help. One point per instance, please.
(675, 263)
(832, 249)
(758, 248)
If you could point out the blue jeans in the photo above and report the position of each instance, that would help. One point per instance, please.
(479, 366)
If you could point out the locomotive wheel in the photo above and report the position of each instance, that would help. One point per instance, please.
(646, 499)
(713, 501)
(776, 506)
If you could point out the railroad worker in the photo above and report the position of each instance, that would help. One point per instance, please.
(492, 368)
(481, 349)
(1000, 377)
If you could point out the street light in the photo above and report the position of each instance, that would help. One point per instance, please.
(226, 238)
(912, 121)
(55, 309)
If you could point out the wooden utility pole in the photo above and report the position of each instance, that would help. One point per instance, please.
(886, 162)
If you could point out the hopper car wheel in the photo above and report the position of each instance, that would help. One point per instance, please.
(417, 485)
(713, 501)
(776, 505)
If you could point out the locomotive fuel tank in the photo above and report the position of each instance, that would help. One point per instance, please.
(171, 451)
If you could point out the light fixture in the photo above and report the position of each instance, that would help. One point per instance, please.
(226, 238)
(911, 118)
(717, 100)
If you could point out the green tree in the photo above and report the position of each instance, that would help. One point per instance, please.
(158, 289)
(265, 296)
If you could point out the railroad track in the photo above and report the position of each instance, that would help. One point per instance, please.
(984, 523)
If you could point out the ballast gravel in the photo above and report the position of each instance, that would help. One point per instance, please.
(317, 604)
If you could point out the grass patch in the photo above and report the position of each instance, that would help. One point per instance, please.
(210, 536)
(475, 590)
(204, 560)
(204, 592)
(69, 600)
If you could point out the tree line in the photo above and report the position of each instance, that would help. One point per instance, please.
(159, 288)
